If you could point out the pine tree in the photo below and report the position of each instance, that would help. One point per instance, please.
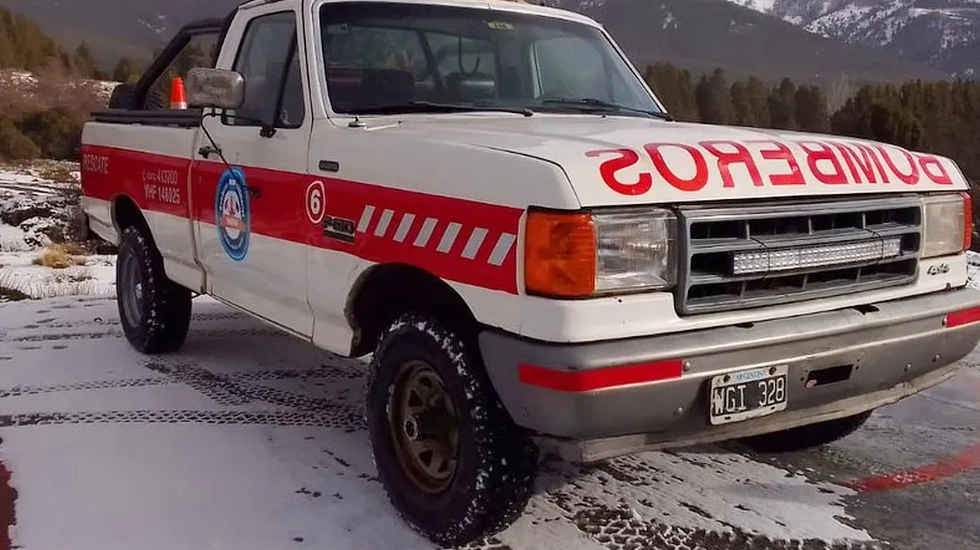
(811, 109)
(84, 62)
(22, 43)
(758, 98)
(782, 105)
(741, 107)
(714, 99)
(673, 88)
(125, 71)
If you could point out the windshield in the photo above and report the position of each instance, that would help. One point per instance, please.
(393, 58)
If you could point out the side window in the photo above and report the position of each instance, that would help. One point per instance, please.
(269, 61)
(200, 51)
(569, 67)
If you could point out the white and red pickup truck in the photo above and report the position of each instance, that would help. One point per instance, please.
(488, 198)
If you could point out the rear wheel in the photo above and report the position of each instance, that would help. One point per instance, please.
(155, 312)
(807, 437)
(452, 461)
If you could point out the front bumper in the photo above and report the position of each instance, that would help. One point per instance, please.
(896, 348)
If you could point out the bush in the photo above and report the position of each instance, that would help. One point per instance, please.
(57, 131)
(14, 145)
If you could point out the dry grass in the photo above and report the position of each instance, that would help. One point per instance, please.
(61, 256)
(57, 172)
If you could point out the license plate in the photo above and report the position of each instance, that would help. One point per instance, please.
(748, 394)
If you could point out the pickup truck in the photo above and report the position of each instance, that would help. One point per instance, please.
(488, 199)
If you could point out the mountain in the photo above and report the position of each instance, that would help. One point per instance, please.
(703, 34)
(114, 28)
(942, 33)
(696, 34)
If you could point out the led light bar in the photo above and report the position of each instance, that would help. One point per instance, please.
(788, 259)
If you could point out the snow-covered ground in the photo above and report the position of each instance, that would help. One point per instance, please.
(37, 202)
(97, 277)
(27, 81)
(250, 439)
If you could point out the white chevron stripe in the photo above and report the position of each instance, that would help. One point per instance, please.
(426, 232)
(366, 216)
(449, 238)
(477, 238)
(500, 252)
(476, 241)
(384, 222)
(404, 227)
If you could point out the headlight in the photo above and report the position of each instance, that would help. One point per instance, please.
(635, 250)
(947, 224)
(577, 255)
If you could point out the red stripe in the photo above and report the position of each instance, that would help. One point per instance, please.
(108, 172)
(963, 317)
(280, 212)
(588, 380)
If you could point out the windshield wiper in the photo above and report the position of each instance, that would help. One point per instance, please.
(592, 104)
(431, 106)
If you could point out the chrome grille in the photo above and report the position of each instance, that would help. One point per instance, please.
(714, 235)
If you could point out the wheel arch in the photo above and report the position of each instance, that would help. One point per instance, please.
(383, 291)
(125, 214)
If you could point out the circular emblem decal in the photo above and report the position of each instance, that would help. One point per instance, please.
(232, 214)
(315, 194)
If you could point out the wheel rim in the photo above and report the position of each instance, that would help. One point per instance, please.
(131, 291)
(424, 426)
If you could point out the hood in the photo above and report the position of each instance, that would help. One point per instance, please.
(628, 160)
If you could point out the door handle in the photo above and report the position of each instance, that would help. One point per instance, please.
(255, 192)
(207, 150)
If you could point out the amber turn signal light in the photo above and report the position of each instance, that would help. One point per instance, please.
(560, 254)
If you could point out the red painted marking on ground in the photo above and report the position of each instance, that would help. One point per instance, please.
(7, 497)
(946, 467)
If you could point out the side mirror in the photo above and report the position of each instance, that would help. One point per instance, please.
(215, 88)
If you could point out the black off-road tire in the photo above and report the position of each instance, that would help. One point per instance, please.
(808, 437)
(157, 321)
(496, 460)
(123, 97)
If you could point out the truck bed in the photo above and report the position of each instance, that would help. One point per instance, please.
(190, 118)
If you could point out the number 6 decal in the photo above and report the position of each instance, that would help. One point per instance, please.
(315, 198)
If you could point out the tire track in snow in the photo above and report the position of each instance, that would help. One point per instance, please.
(99, 335)
(703, 500)
(220, 388)
(18, 391)
(50, 323)
(337, 419)
(699, 500)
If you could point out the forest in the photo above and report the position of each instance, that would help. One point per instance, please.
(938, 117)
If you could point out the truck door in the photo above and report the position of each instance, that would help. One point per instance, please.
(250, 216)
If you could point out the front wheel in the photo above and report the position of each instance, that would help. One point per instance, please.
(807, 437)
(155, 312)
(452, 461)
